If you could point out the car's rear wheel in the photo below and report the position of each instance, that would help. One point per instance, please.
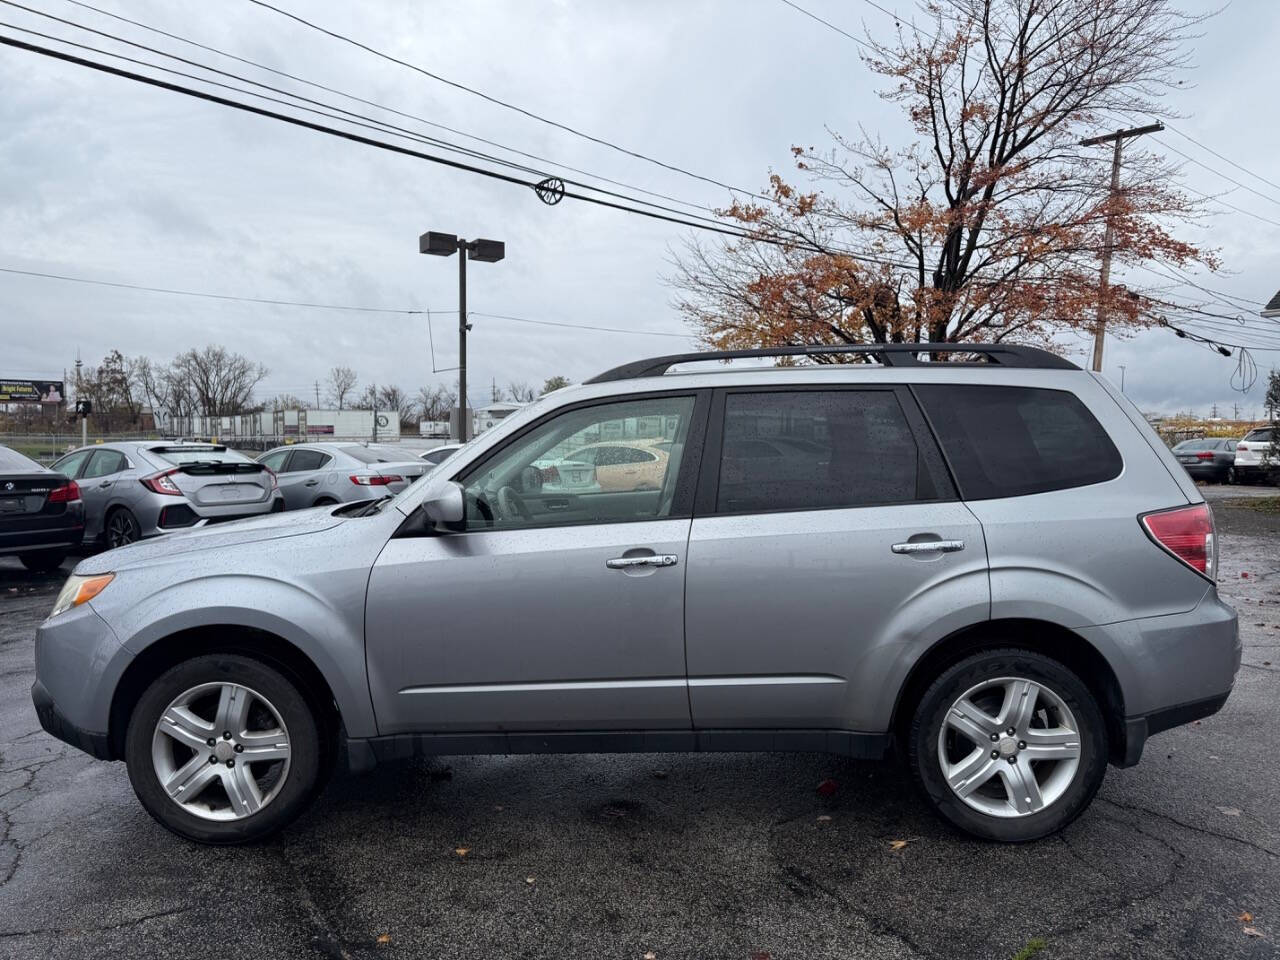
(1231, 475)
(1008, 745)
(42, 561)
(324, 502)
(122, 528)
(223, 749)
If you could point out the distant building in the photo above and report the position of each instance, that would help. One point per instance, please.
(1272, 309)
(487, 417)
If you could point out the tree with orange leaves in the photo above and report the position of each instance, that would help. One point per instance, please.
(990, 225)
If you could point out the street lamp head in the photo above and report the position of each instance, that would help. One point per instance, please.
(487, 251)
(438, 244)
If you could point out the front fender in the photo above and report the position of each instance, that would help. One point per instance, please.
(327, 628)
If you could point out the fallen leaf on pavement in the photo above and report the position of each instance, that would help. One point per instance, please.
(1245, 917)
(1252, 932)
(384, 938)
(823, 818)
(529, 879)
(1244, 575)
(827, 788)
(462, 851)
(499, 807)
(659, 774)
(650, 956)
(762, 955)
(899, 844)
(1229, 811)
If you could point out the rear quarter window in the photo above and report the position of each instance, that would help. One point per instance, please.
(1014, 441)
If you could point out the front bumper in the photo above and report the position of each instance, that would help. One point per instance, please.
(51, 719)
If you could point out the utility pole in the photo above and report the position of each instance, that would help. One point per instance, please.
(1118, 138)
(373, 393)
(1122, 369)
(317, 394)
(486, 251)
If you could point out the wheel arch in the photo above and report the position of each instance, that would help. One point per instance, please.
(257, 644)
(1039, 636)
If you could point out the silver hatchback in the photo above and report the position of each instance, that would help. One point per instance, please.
(141, 489)
(993, 569)
(323, 474)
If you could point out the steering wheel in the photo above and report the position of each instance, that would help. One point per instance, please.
(511, 505)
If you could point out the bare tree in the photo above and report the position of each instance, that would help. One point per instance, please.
(286, 401)
(990, 225)
(392, 398)
(341, 384)
(435, 403)
(521, 392)
(218, 383)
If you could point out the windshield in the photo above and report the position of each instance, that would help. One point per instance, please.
(184, 455)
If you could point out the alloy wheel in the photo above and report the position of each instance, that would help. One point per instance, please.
(1009, 747)
(221, 751)
(122, 529)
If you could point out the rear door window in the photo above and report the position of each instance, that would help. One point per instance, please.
(304, 460)
(817, 450)
(1013, 441)
(105, 463)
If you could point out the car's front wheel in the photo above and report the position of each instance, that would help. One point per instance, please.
(1008, 745)
(223, 749)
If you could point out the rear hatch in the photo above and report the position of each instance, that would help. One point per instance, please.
(215, 478)
(1253, 449)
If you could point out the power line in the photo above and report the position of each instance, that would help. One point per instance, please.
(207, 296)
(828, 24)
(801, 244)
(331, 306)
(1202, 146)
(381, 106)
(1217, 172)
(502, 103)
(380, 126)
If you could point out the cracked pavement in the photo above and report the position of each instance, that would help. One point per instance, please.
(700, 856)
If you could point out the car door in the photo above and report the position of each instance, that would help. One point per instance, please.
(301, 481)
(97, 486)
(543, 611)
(826, 537)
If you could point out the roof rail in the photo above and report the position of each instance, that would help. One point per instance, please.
(889, 354)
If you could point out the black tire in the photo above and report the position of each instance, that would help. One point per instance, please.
(120, 528)
(306, 752)
(1230, 476)
(42, 561)
(324, 502)
(926, 727)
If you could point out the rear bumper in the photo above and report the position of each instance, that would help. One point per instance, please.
(1206, 471)
(1137, 729)
(62, 536)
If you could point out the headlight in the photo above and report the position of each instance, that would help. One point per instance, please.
(78, 590)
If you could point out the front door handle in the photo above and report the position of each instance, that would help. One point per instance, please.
(928, 546)
(657, 560)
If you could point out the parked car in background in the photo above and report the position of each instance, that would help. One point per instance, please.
(441, 453)
(139, 489)
(995, 567)
(1258, 456)
(41, 513)
(1208, 458)
(322, 474)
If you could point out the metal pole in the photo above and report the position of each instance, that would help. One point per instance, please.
(462, 342)
(1122, 378)
(84, 430)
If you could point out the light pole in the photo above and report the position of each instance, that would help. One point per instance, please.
(1122, 378)
(486, 251)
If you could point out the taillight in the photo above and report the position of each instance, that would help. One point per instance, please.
(550, 475)
(162, 483)
(1206, 455)
(1241, 446)
(275, 482)
(376, 480)
(1187, 533)
(68, 494)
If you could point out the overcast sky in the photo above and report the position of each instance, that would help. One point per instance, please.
(104, 178)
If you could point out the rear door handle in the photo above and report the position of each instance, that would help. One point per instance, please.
(311, 483)
(929, 546)
(657, 560)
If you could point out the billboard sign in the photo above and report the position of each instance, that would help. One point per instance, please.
(32, 391)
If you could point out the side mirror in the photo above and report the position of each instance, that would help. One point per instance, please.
(443, 502)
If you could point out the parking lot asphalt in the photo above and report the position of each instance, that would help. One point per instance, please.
(635, 856)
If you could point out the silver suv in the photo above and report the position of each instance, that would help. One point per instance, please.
(991, 565)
